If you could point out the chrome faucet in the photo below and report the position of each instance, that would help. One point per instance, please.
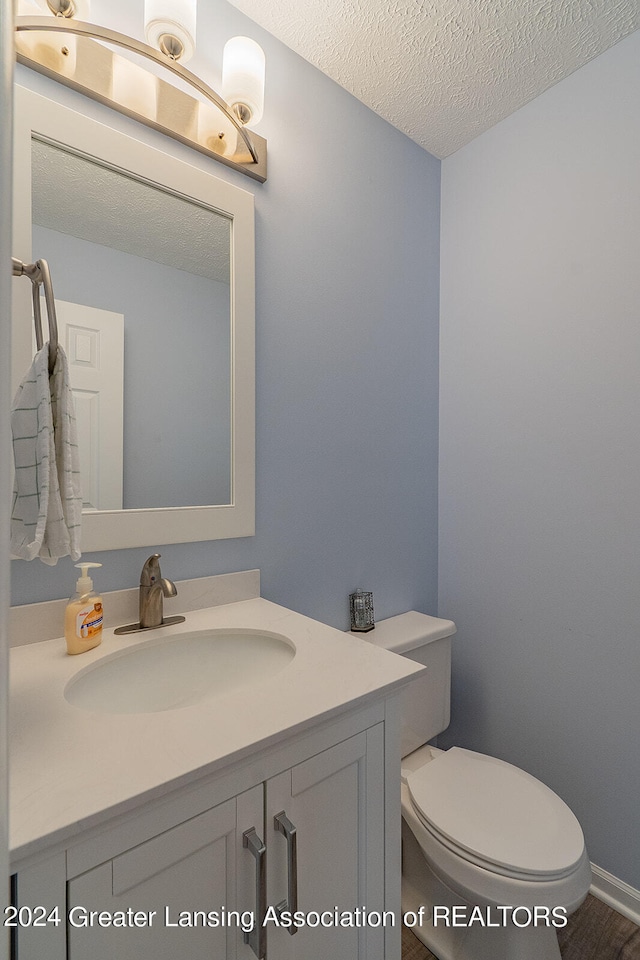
(153, 587)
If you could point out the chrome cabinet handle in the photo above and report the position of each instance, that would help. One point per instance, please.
(256, 937)
(283, 825)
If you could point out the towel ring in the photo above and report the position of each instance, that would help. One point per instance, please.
(39, 273)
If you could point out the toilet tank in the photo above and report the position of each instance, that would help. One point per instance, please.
(426, 700)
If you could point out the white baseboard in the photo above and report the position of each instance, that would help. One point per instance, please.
(615, 893)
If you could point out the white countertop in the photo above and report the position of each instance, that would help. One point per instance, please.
(69, 765)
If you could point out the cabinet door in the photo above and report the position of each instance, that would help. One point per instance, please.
(41, 886)
(335, 802)
(171, 896)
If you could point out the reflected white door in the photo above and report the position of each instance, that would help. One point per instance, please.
(94, 343)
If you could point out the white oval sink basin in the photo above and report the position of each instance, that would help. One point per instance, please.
(179, 671)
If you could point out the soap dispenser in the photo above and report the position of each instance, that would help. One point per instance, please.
(83, 615)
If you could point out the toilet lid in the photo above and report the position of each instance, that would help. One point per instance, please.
(496, 815)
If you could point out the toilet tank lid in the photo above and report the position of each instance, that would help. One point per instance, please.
(409, 630)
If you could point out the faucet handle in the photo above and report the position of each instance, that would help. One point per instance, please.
(150, 571)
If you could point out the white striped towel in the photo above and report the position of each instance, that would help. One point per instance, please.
(47, 499)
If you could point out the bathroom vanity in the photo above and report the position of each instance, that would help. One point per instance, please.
(139, 834)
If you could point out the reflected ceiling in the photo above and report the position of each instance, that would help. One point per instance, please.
(153, 224)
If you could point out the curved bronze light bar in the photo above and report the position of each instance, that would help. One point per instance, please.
(91, 69)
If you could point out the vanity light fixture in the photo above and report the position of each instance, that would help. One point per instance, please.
(243, 70)
(89, 58)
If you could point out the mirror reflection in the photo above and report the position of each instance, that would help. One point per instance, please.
(142, 284)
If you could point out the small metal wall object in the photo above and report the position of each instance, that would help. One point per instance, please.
(361, 610)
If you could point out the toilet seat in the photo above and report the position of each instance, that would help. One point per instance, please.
(496, 816)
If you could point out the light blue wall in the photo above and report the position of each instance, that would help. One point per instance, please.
(347, 233)
(540, 445)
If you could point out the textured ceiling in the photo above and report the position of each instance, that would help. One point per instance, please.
(97, 203)
(443, 71)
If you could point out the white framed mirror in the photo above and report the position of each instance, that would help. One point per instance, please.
(152, 264)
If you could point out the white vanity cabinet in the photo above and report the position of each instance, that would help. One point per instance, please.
(147, 817)
(335, 801)
(319, 809)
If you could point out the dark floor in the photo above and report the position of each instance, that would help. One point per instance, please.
(594, 932)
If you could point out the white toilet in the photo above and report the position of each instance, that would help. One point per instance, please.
(497, 859)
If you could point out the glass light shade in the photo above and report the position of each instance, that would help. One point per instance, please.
(29, 8)
(243, 69)
(82, 8)
(175, 18)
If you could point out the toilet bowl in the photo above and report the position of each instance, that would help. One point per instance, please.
(494, 858)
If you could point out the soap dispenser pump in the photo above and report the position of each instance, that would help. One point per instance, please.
(83, 615)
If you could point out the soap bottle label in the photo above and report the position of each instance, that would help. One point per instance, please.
(89, 622)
